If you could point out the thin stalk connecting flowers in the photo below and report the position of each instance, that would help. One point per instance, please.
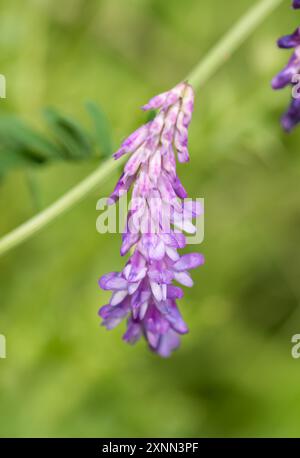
(143, 292)
(286, 77)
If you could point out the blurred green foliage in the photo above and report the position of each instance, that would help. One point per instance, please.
(22, 146)
(234, 374)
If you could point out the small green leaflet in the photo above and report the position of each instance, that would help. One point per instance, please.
(65, 140)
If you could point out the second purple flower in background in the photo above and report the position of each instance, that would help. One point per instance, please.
(287, 76)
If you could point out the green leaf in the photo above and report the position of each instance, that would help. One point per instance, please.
(23, 146)
(102, 129)
(20, 144)
(74, 141)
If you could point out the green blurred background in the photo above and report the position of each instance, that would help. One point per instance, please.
(234, 374)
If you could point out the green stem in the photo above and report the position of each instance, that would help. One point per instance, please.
(202, 72)
(231, 41)
(68, 200)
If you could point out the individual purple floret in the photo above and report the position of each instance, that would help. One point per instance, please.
(292, 117)
(285, 77)
(296, 4)
(290, 41)
(143, 292)
(288, 75)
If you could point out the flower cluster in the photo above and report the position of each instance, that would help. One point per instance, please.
(143, 292)
(287, 76)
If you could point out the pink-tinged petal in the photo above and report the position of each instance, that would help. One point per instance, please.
(166, 190)
(155, 165)
(184, 278)
(167, 134)
(156, 211)
(145, 222)
(174, 317)
(118, 297)
(183, 224)
(121, 188)
(183, 155)
(137, 262)
(132, 287)
(165, 99)
(112, 316)
(134, 140)
(169, 239)
(153, 339)
(174, 292)
(135, 218)
(119, 153)
(169, 161)
(179, 189)
(189, 261)
(136, 299)
(164, 292)
(174, 239)
(154, 273)
(178, 324)
(175, 94)
(103, 311)
(143, 310)
(136, 268)
(188, 105)
(156, 102)
(156, 290)
(150, 147)
(112, 279)
(145, 185)
(133, 333)
(134, 162)
(193, 208)
(157, 250)
(181, 139)
(180, 239)
(167, 276)
(139, 275)
(155, 129)
(172, 253)
(128, 241)
(168, 343)
(126, 271)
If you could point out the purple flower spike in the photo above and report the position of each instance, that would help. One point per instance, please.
(288, 76)
(143, 292)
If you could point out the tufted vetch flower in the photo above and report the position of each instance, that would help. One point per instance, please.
(144, 292)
